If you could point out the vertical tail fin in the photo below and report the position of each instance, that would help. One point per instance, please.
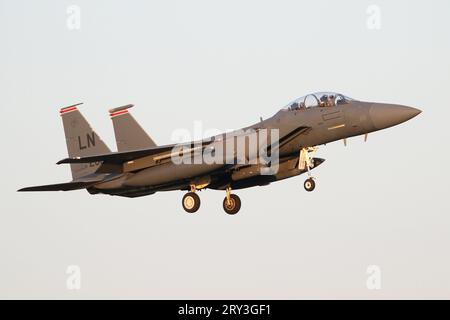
(129, 134)
(81, 140)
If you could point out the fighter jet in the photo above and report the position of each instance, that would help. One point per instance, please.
(280, 147)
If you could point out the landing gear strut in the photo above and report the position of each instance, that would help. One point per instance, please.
(191, 201)
(231, 203)
(306, 162)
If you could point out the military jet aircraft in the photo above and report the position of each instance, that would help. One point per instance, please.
(140, 167)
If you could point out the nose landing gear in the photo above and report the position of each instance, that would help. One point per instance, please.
(306, 162)
(309, 184)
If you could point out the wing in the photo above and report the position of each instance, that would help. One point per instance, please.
(68, 186)
(120, 162)
(81, 183)
(118, 157)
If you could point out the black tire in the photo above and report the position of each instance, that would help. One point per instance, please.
(234, 206)
(191, 202)
(309, 184)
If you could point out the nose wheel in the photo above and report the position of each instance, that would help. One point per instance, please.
(191, 202)
(231, 203)
(309, 184)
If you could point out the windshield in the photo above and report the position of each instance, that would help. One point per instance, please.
(318, 99)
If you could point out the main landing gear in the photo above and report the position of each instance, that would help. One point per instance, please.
(231, 203)
(191, 202)
(306, 162)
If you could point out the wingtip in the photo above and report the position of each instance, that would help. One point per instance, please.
(62, 161)
(68, 160)
(25, 189)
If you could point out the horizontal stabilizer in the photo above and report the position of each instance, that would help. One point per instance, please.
(68, 186)
(59, 187)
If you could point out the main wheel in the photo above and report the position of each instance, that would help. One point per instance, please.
(191, 202)
(309, 184)
(233, 206)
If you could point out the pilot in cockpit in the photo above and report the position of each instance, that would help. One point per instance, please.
(327, 100)
(331, 102)
(298, 106)
(324, 100)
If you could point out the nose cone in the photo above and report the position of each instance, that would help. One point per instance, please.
(388, 115)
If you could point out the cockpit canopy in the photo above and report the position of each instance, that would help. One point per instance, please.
(318, 99)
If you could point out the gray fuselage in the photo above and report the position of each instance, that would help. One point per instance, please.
(325, 124)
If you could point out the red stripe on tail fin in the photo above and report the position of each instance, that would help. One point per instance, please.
(69, 108)
(118, 113)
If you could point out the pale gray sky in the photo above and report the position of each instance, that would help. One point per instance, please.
(225, 63)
